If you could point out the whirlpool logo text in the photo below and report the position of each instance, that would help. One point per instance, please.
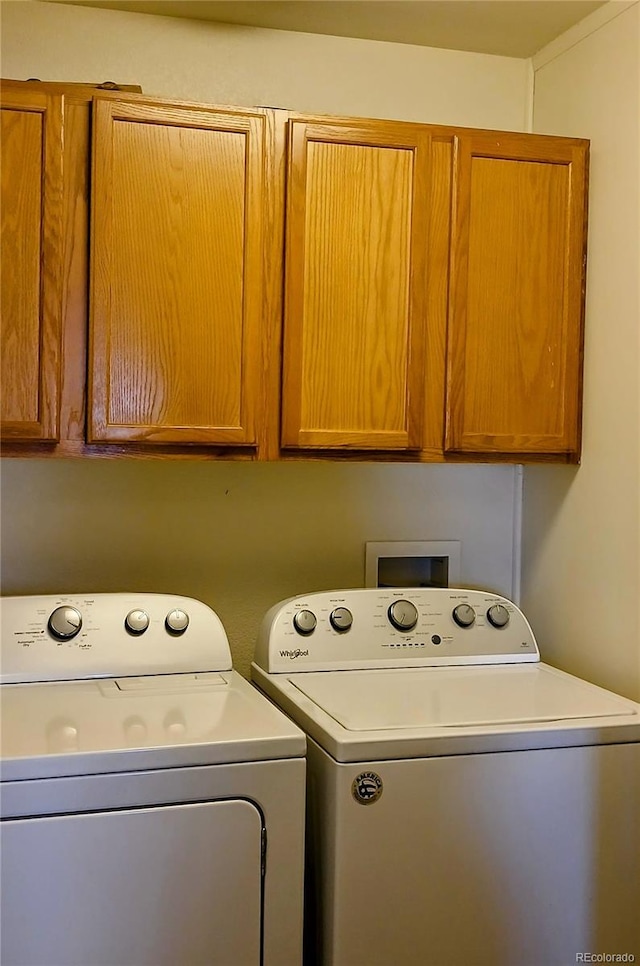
(294, 654)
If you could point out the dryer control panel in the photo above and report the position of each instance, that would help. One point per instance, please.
(75, 636)
(373, 628)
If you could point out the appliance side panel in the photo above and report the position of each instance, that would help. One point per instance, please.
(529, 857)
(277, 788)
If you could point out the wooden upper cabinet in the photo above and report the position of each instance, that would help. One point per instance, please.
(430, 305)
(516, 295)
(178, 228)
(32, 264)
(355, 286)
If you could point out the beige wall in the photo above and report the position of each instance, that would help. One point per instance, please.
(581, 528)
(251, 66)
(242, 536)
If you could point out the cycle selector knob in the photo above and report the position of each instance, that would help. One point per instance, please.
(305, 622)
(136, 621)
(341, 619)
(403, 615)
(65, 622)
(176, 621)
(464, 615)
(498, 615)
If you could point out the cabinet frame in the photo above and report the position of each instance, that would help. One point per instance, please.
(196, 117)
(45, 427)
(300, 131)
(571, 154)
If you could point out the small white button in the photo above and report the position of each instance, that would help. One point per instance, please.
(498, 615)
(341, 619)
(305, 622)
(464, 615)
(176, 621)
(136, 621)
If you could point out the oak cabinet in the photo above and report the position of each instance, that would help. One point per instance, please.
(32, 260)
(516, 295)
(156, 343)
(178, 214)
(63, 267)
(355, 285)
(184, 280)
(434, 290)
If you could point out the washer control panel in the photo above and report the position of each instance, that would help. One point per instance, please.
(76, 636)
(373, 628)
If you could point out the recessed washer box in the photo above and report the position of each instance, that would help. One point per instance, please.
(413, 563)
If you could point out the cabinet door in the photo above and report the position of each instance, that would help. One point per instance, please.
(176, 277)
(355, 286)
(32, 260)
(516, 297)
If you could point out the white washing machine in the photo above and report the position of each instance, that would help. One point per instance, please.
(467, 804)
(152, 799)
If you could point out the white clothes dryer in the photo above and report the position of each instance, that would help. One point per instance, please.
(467, 804)
(152, 799)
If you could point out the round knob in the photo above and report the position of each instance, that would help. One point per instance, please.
(65, 622)
(176, 621)
(136, 621)
(305, 622)
(341, 619)
(498, 615)
(403, 615)
(464, 615)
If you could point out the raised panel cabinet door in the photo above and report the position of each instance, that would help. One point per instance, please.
(355, 285)
(517, 295)
(32, 264)
(177, 273)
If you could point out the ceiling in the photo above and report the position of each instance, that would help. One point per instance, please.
(513, 28)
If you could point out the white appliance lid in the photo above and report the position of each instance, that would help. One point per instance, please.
(163, 721)
(424, 698)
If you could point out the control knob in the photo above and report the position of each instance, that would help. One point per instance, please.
(341, 619)
(403, 615)
(176, 621)
(305, 622)
(498, 615)
(136, 621)
(65, 622)
(464, 615)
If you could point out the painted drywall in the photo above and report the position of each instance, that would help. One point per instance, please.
(581, 527)
(228, 64)
(242, 536)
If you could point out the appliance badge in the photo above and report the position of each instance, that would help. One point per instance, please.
(366, 788)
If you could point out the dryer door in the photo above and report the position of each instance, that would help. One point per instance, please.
(149, 886)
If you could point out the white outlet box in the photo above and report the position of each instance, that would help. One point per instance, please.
(413, 563)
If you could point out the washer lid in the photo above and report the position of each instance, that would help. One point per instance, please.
(427, 698)
(161, 721)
